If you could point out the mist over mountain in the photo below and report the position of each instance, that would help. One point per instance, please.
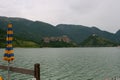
(36, 30)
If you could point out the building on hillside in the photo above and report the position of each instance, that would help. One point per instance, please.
(63, 38)
(46, 39)
(94, 34)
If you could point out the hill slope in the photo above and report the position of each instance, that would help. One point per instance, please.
(117, 36)
(96, 41)
(18, 42)
(2, 38)
(79, 33)
(30, 30)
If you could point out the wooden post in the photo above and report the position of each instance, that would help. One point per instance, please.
(37, 71)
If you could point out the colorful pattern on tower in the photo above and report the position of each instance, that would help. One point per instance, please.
(9, 52)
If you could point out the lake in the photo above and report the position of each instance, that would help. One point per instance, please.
(67, 63)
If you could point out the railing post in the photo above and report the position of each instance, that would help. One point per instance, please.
(37, 71)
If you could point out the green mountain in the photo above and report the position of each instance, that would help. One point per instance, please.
(18, 42)
(2, 37)
(37, 30)
(96, 41)
(24, 43)
(117, 36)
(79, 33)
(30, 30)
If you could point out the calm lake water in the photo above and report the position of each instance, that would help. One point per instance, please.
(67, 63)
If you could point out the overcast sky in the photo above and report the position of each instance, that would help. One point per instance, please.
(104, 14)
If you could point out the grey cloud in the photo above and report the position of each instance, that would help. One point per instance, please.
(101, 13)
